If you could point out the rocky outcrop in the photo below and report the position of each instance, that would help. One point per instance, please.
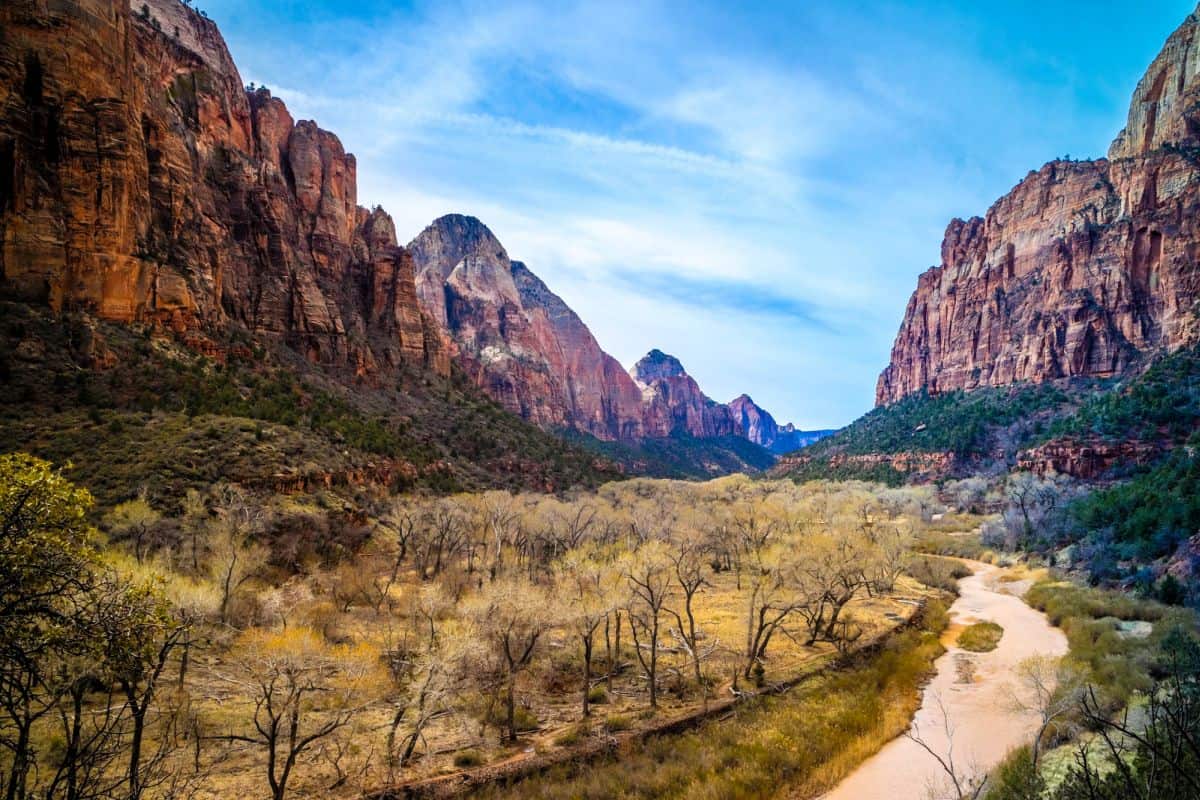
(1084, 267)
(524, 346)
(139, 181)
(516, 338)
(1088, 459)
(673, 400)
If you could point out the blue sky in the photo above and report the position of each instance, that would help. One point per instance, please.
(751, 187)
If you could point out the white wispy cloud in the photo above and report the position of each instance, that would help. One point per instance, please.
(751, 188)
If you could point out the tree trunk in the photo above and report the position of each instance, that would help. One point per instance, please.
(587, 673)
(510, 708)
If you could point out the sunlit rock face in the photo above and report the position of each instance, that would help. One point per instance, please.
(517, 339)
(1084, 267)
(140, 181)
(674, 402)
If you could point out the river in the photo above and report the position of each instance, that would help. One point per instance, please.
(973, 691)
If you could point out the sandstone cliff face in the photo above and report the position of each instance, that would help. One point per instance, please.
(527, 349)
(753, 422)
(1081, 269)
(516, 338)
(673, 400)
(139, 181)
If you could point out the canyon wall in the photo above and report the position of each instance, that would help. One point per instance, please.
(1082, 269)
(140, 182)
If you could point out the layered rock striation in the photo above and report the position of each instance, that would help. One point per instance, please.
(1082, 269)
(517, 339)
(673, 400)
(140, 181)
(755, 423)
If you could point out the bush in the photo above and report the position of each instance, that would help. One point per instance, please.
(468, 758)
(573, 735)
(1016, 778)
(616, 723)
(982, 637)
(937, 573)
(597, 695)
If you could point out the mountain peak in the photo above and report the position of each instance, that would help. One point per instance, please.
(656, 365)
(1163, 110)
(450, 238)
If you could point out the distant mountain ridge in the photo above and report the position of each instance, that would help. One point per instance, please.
(529, 350)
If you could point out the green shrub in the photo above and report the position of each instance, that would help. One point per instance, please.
(468, 758)
(615, 723)
(597, 695)
(1016, 778)
(982, 637)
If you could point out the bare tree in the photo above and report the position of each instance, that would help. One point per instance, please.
(587, 583)
(965, 782)
(649, 576)
(1050, 689)
(510, 617)
(302, 691)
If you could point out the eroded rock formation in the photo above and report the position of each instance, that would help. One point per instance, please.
(674, 402)
(140, 181)
(1082, 268)
(531, 352)
(516, 338)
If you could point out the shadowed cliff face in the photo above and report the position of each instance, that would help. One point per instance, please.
(139, 181)
(1082, 268)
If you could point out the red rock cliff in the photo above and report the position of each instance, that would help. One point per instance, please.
(1082, 268)
(516, 338)
(140, 181)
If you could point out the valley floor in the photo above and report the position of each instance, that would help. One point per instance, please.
(968, 711)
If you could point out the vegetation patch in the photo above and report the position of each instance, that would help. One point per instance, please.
(980, 637)
(959, 422)
(803, 741)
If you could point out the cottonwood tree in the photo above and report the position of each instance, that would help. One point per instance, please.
(649, 577)
(963, 781)
(586, 582)
(301, 690)
(834, 572)
(689, 555)
(510, 615)
(142, 634)
(426, 669)
(773, 592)
(47, 569)
(133, 520)
(438, 537)
(235, 559)
(1051, 689)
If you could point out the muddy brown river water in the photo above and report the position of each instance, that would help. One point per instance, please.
(980, 710)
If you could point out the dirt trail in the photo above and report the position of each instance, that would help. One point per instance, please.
(980, 712)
